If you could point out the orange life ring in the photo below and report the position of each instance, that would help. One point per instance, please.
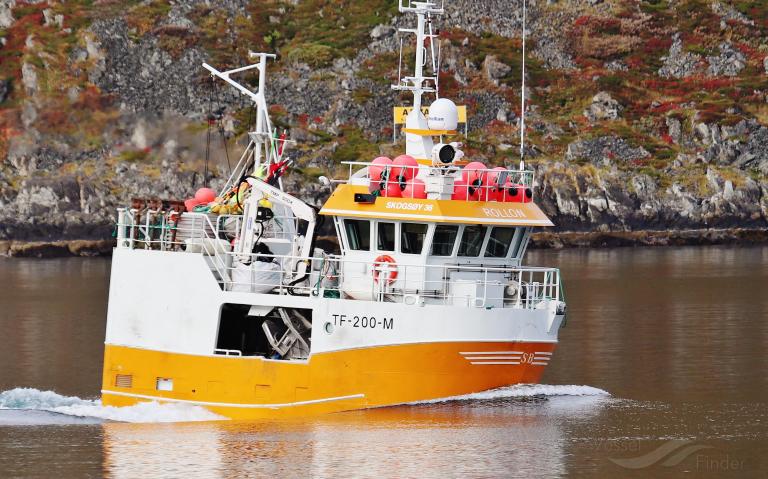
(391, 271)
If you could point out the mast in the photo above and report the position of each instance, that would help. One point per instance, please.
(419, 146)
(262, 139)
(522, 100)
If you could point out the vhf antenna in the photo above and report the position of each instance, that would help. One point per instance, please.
(522, 102)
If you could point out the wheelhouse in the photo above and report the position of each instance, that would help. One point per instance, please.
(424, 249)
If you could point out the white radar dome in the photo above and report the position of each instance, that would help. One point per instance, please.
(443, 115)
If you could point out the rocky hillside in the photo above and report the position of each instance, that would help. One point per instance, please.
(645, 115)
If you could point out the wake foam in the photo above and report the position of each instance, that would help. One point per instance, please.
(36, 400)
(524, 391)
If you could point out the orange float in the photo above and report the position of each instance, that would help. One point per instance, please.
(390, 268)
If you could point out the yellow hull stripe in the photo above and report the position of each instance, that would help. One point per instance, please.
(221, 404)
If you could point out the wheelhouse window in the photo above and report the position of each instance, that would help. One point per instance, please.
(499, 242)
(444, 239)
(472, 240)
(358, 234)
(385, 236)
(412, 237)
(521, 241)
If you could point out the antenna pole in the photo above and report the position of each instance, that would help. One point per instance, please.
(522, 100)
(419, 146)
(418, 79)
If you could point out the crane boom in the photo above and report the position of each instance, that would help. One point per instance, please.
(261, 190)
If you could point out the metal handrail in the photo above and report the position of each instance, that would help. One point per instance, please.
(331, 275)
(156, 236)
(535, 284)
(526, 178)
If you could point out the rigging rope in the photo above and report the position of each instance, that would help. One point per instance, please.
(221, 130)
(209, 119)
(214, 117)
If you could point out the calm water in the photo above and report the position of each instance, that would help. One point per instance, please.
(677, 337)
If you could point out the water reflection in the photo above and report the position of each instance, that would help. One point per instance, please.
(484, 438)
(52, 315)
(152, 450)
(677, 336)
(673, 324)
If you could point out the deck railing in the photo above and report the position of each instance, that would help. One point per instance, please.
(481, 286)
(337, 276)
(169, 230)
(503, 185)
(173, 231)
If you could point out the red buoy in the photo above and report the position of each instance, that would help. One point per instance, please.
(404, 168)
(378, 167)
(205, 196)
(393, 189)
(516, 193)
(495, 185)
(475, 176)
(415, 189)
(459, 190)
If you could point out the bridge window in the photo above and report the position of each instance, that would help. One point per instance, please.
(358, 234)
(499, 242)
(472, 240)
(385, 236)
(444, 239)
(412, 237)
(521, 240)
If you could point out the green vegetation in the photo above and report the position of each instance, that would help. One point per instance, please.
(314, 32)
(313, 54)
(340, 25)
(311, 171)
(654, 6)
(146, 15)
(132, 156)
(382, 68)
(353, 146)
(361, 95)
(317, 32)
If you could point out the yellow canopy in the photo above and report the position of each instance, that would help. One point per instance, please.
(342, 203)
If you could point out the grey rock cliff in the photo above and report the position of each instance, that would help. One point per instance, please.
(679, 63)
(636, 138)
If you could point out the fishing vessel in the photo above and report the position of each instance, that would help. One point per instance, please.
(226, 302)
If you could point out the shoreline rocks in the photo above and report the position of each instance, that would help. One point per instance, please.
(6, 13)
(542, 240)
(616, 239)
(56, 249)
(118, 110)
